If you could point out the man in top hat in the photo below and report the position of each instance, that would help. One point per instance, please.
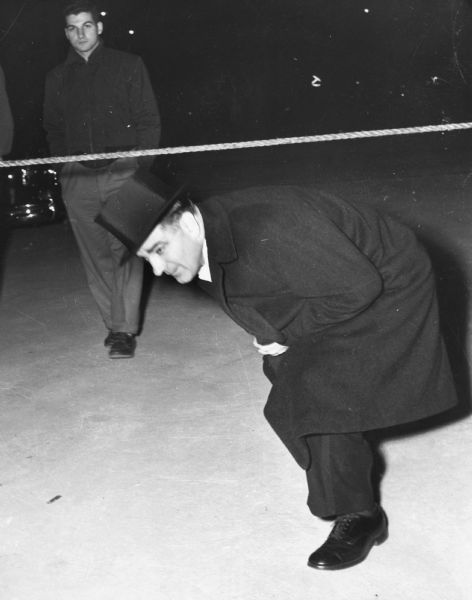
(341, 304)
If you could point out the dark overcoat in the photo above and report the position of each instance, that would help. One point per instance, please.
(350, 291)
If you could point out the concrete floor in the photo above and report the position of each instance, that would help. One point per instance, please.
(158, 477)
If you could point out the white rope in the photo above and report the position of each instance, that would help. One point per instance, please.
(349, 135)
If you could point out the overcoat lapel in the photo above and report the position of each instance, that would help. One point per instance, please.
(221, 254)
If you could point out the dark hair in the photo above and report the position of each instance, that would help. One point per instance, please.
(183, 204)
(74, 8)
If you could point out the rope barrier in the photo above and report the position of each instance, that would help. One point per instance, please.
(349, 135)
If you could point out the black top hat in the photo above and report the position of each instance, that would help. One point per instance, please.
(139, 205)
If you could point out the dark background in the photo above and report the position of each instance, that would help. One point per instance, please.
(231, 71)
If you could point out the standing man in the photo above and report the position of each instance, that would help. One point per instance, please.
(341, 303)
(101, 100)
(6, 119)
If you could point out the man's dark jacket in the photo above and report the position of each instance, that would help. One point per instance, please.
(350, 291)
(104, 104)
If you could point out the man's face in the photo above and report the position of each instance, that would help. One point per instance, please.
(83, 33)
(175, 249)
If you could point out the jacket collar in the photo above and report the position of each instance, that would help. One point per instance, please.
(74, 57)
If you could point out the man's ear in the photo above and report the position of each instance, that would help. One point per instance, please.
(190, 225)
(99, 27)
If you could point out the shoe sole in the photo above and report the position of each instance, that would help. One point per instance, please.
(380, 539)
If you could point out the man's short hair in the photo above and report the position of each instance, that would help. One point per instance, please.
(79, 6)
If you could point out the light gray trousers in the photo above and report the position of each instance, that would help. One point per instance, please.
(115, 287)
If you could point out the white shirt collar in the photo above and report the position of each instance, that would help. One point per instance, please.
(204, 272)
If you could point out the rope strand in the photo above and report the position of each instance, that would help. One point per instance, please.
(329, 137)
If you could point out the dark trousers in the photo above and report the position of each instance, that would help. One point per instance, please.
(339, 474)
(116, 287)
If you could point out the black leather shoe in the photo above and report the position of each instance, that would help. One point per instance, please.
(121, 345)
(109, 339)
(350, 540)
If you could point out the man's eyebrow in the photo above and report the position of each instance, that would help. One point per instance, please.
(152, 248)
(76, 26)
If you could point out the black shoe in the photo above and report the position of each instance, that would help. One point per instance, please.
(109, 339)
(122, 345)
(351, 540)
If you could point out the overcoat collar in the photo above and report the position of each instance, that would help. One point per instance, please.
(221, 248)
(221, 253)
